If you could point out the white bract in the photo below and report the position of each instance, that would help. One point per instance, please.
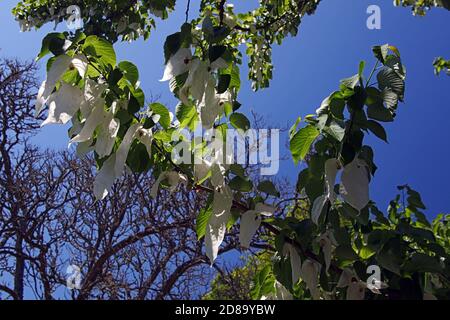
(310, 274)
(429, 296)
(122, 151)
(96, 117)
(326, 241)
(202, 171)
(318, 205)
(356, 288)
(200, 83)
(63, 104)
(250, 222)
(93, 91)
(105, 178)
(217, 224)
(296, 262)
(107, 136)
(354, 186)
(173, 178)
(331, 170)
(178, 64)
(115, 164)
(264, 209)
(65, 100)
(59, 66)
(280, 293)
(145, 136)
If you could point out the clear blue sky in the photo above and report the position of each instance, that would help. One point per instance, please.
(307, 68)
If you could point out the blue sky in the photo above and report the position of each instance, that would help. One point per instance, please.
(328, 48)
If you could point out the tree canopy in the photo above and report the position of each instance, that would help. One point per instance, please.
(323, 254)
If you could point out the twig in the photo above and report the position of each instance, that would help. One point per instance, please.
(187, 10)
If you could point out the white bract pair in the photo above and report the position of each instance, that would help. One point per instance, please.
(356, 288)
(221, 211)
(65, 100)
(308, 271)
(354, 186)
(200, 84)
(173, 178)
(280, 293)
(326, 242)
(221, 214)
(250, 222)
(114, 166)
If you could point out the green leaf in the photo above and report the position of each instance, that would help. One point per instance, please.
(187, 115)
(227, 108)
(378, 238)
(305, 230)
(379, 112)
(283, 271)
(51, 43)
(138, 159)
(224, 83)
(346, 252)
(293, 129)
(263, 283)
(379, 216)
(348, 153)
(366, 252)
(130, 71)
(220, 33)
(202, 221)
(238, 170)
(103, 49)
(215, 52)
(381, 52)
(241, 184)
(172, 45)
(391, 256)
(161, 110)
(234, 217)
(388, 78)
(362, 65)
(366, 153)
(423, 263)
(390, 98)
(395, 50)
(414, 199)
(301, 142)
(394, 63)
(268, 187)
(208, 27)
(114, 77)
(418, 234)
(377, 129)
(239, 121)
(137, 100)
(350, 82)
(337, 108)
(336, 129)
(235, 81)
